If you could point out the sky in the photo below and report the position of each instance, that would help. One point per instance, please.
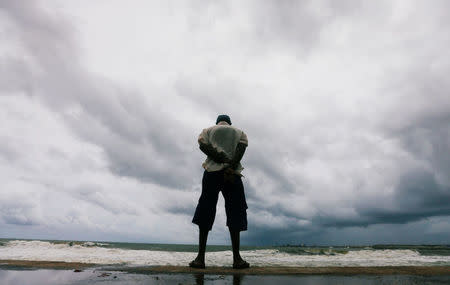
(346, 106)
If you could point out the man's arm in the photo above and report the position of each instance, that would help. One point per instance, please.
(238, 154)
(218, 157)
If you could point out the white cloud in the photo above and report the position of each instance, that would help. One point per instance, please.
(104, 102)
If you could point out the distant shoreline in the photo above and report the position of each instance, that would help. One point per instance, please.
(266, 270)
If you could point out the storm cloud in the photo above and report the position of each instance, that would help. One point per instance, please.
(345, 104)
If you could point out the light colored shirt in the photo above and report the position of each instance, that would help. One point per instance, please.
(223, 138)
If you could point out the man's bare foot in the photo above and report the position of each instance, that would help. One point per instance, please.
(197, 264)
(241, 264)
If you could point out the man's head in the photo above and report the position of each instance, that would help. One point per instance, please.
(224, 118)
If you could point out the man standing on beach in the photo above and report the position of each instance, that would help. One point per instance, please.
(224, 145)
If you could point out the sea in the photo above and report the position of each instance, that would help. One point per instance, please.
(151, 254)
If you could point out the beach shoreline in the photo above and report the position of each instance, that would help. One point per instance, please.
(266, 270)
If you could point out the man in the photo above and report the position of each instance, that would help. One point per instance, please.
(224, 145)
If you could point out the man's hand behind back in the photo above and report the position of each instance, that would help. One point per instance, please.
(239, 153)
(219, 157)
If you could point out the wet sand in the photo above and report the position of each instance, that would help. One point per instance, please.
(385, 270)
(94, 276)
(30, 264)
(376, 270)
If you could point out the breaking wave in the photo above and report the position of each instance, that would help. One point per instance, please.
(106, 253)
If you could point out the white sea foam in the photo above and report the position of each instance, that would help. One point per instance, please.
(89, 253)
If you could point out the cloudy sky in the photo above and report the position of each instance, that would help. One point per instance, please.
(346, 106)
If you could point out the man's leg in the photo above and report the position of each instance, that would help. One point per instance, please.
(235, 208)
(205, 214)
(238, 262)
(235, 243)
(202, 238)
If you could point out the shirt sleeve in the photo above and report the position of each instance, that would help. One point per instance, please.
(203, 137)
(243, 139)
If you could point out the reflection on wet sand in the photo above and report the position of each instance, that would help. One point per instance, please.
(97, 276)
(200, 279)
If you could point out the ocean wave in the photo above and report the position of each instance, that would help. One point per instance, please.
(312, 251)
(97, 253)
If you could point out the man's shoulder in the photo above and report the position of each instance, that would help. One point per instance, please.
(229, 127)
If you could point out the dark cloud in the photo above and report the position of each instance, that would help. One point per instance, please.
(185, 210)
(280, 236)
(417, 196)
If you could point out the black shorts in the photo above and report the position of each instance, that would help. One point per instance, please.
(235, 204)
